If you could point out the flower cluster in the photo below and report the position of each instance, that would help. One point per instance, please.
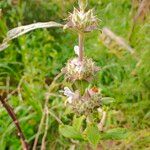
(83, 104)
(80, 70)
(76, 70)
(82, 21)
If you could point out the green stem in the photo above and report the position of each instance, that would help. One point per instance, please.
(81, 46)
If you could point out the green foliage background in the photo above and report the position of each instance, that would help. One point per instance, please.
(36, 58)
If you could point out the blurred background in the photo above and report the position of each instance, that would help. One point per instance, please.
(33, 60)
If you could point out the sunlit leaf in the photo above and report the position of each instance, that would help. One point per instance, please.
(70, 132)
(93, 135)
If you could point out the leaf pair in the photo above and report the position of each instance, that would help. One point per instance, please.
(91, 133)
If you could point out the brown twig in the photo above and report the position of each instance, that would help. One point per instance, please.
(46, 114)
(16, 122)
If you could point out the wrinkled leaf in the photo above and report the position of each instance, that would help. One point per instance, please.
(93, 135)
(115, 134)
(70, 132)
(18, 31)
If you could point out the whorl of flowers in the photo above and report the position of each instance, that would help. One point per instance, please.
(77, 70)
(82, 21)
(83, 104)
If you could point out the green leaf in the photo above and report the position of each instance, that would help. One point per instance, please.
(77, 122)
(70, 132)
(107, 100)
(93, 135)
(115, 134)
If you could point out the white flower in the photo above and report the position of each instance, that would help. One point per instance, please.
(76, 49)
(69, 94)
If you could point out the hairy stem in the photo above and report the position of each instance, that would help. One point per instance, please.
(12, 114)
(81, 46)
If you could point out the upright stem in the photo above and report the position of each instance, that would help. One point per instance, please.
(16, 122)
(81, 46)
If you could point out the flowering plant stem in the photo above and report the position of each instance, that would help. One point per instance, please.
(81, 46)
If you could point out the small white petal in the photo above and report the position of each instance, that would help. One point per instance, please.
(76, 49)
(68, 92)
(69, 100)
